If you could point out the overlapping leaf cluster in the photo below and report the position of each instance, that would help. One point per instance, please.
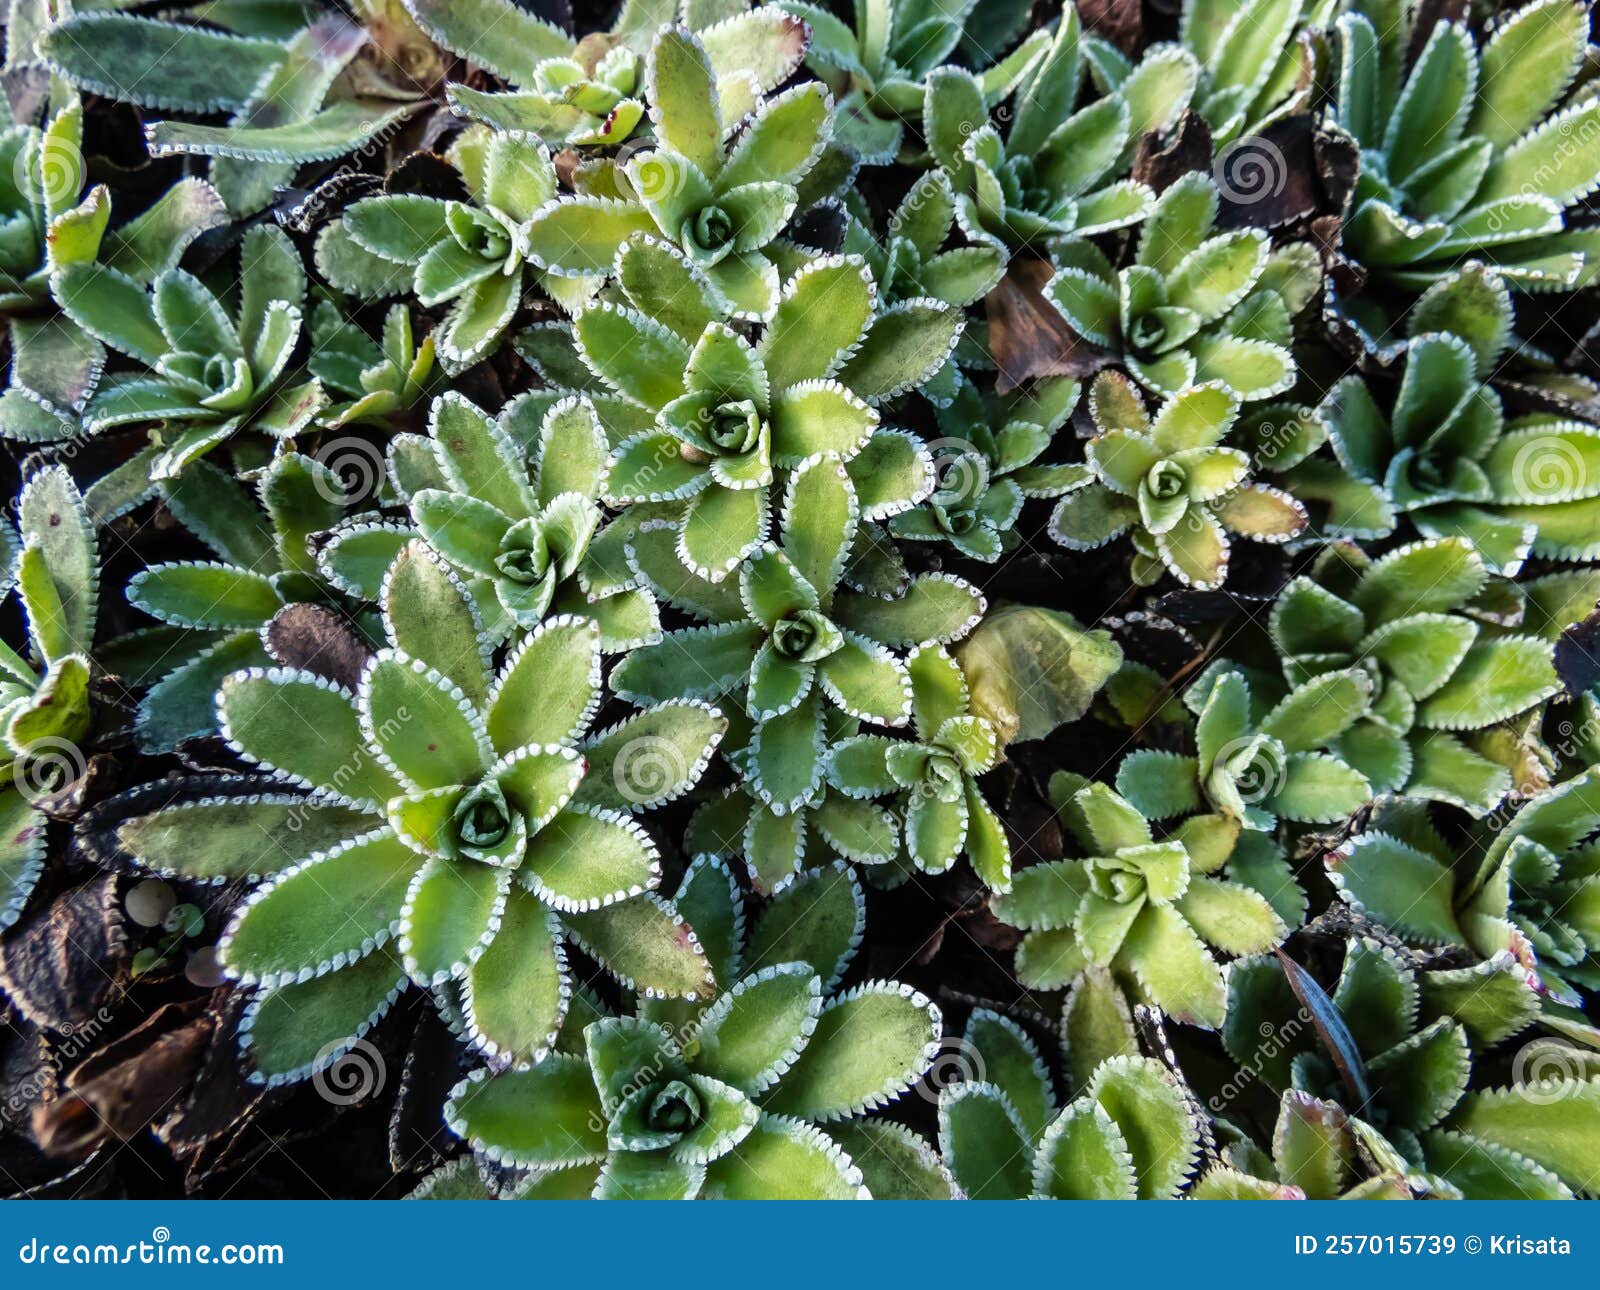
(795, 600)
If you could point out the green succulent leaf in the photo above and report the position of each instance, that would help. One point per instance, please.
(870, 1044)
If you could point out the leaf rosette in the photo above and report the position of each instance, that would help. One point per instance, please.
(460, 841)
(746, 1098)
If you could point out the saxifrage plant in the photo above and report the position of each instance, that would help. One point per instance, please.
(1172, 481)
(1395, 1049)
(214, 368)
(468, 820)
(1472, 152)
(1143, 908)
(732, 1103)
(1198, 304)
(557, 457)
(45, 716)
